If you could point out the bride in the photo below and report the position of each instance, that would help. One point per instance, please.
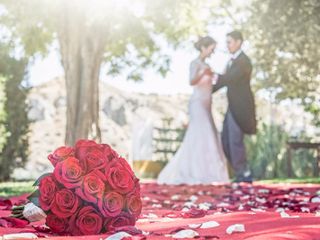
(200, 158)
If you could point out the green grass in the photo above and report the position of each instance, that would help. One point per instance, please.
(8, 189)
(291, 180)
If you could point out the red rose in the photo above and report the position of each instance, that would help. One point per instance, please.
(126, 165)
(65, 204)
(47, 188)
(134, 205)
(60, 154)
(92, 187)
(120, 179)
(82, 147)
(69, 172)
(110, 153)
(123, 219)
(91, 155)
(56, 224)
(111, 205)
(85, 142)
(92, 190)
(87, 222)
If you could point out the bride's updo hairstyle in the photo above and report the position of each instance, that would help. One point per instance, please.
(204, 42)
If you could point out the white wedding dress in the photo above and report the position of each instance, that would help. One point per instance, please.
(200, 158)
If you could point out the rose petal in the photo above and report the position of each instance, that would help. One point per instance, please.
(193, 198)
(257, 210)
(156, 206)
(194, 213)
(42, 228)
(205, 206)
(171, 215)
(223, 204)
(188, 233)
(264, 191)
(118, 236)
(305, 209)
(283, 214)
(261, 200)
(128, 229)
(236, 228)
(238, 192)
(175, 197)
(150, 216)
(5, 204)
(280, 209)
(166, 219)
(200, 193)
(315, 199)
(19, 236)
(177, 230)
(189, 204)
(13, 222)
(210, 224)
(194, 225)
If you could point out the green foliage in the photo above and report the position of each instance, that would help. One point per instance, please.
(285, 37)
(132, 31)
(291, 180)
(314, 109)
(268, 157)
(14, 123)
(8, 189)
(2, 112)
(34, 197)
(266, 151)
(285, 45)
(37, 182)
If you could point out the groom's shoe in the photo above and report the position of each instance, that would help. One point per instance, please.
(246, 180)
(246, 177)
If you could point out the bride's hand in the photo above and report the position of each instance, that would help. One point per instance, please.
(207, 71)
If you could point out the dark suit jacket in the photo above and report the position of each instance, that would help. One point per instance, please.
(241, 101)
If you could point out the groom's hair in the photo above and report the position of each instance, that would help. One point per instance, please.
(236, 35)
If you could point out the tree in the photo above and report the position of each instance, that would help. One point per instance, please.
(14, 123)
(92, 32)
(285, 39)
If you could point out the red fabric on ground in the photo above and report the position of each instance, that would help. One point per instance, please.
(252, 205)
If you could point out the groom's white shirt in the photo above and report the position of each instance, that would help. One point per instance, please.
(233, 57)
(236, 54)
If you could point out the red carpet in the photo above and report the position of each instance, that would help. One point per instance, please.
(255, 206)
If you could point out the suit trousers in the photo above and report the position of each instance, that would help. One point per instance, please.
(234, 148)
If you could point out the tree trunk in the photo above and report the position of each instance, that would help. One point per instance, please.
(81, 47)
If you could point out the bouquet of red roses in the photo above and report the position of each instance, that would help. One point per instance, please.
(92, 190)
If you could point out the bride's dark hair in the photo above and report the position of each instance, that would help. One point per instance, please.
(204, 42)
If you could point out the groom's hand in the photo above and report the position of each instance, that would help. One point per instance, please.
(215, 78)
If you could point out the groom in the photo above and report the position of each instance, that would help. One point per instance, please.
(240, 117)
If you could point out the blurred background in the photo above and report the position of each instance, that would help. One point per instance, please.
(116, 71)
